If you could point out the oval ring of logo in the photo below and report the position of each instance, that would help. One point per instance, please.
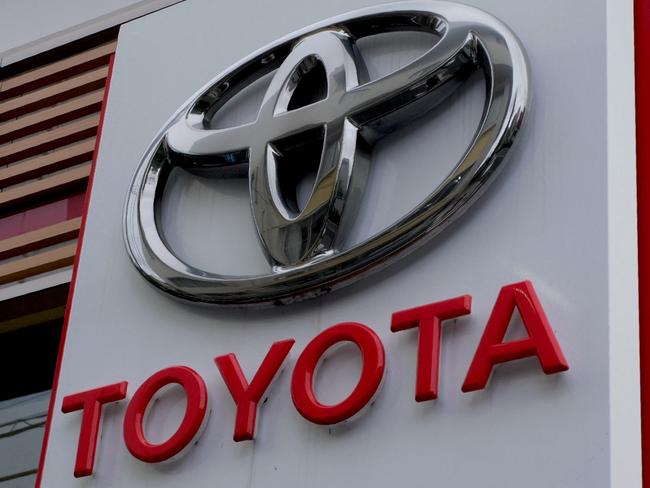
(320, 107)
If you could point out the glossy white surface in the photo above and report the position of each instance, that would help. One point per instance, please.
(559, 215)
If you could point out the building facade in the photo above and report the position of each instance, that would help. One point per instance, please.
(176, 176)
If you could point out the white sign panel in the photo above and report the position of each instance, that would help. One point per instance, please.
(464, 187)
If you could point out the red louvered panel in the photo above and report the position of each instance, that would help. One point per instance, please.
(48, 140)
(51, 73)
(52, 94)
(49, 115)
(41, 216)
(50, 162)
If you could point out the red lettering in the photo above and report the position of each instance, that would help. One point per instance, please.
(374, 362)
(248, 396)
(492, 350)
(91, 402)
(428, 318)
(195, 410)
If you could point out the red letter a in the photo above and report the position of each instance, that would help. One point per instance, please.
(541, 341)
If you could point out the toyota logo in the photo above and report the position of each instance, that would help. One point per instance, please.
(321, 111)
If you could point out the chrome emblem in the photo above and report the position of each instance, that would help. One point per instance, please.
(331, 126)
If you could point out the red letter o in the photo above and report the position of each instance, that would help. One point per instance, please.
(302, 383)
(197, 404)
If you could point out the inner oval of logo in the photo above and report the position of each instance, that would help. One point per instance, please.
(322, 113)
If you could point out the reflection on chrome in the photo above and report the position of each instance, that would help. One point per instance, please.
(322, 113)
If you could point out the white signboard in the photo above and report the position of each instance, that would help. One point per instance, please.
(502, 352)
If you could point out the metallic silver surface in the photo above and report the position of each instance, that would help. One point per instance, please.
(320, 107)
